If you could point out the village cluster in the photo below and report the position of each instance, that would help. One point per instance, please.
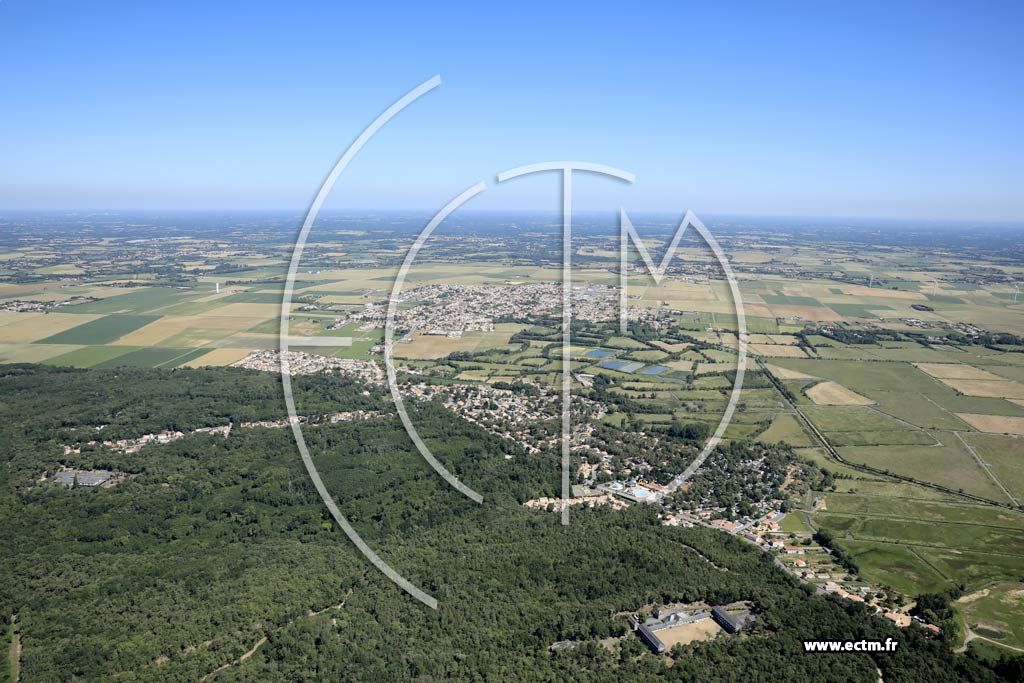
(30, 306)
(300, 363)
(451, 310)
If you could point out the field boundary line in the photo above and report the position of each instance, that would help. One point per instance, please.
(928, 564)
(944, 408)
(872, 515)
(984, 466)
(925, 545)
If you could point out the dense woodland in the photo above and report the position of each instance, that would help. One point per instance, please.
(213, 543)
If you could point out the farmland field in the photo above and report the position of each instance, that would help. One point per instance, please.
(785, 429)
(949, 465)
(832, 394)
(853, 368)
(895, 566)
(90, 356)
(18, 328)
(216, 357)
(100, 331)
(998, 424)
(1005, 456)
(151, 357)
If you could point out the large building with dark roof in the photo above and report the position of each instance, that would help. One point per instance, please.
(727, 621)
(652, 641)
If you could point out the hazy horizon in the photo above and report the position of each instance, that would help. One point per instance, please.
(425, 214)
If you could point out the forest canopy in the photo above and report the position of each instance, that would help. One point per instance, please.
(210, 544)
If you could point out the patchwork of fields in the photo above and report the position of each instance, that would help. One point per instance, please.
(921, 436)
(918, 423)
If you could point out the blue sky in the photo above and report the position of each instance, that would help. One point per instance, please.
(848, 109)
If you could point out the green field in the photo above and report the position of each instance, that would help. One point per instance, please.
(859, 310)
(894, 565)
(950, 465)
(107, 329)
(785, 428)
(1005, 456)
(972, 537)
(910, 508)
(973, 569)
(152, 357)
(795, 523)
(144, 300)
(932, 540)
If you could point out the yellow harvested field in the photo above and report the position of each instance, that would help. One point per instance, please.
(33, 353)
(672, 348)
(201, 329)
(751, 257)
(262, 311)
(986, 388)
(729, 340)
(27, 327)
(786, 373)
(705, 629)
(10, 290)
(758, 310)
(707, 368)
(777, 350)
(819, 313)
(957, 371)
(472, 375)
(832, 394)
(425, 346)
(217, 357)
(431, 346)
(676, 292)
(997, 424)
(684, 365)
(344, 299)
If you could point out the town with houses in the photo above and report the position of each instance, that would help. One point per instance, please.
(451, 310)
